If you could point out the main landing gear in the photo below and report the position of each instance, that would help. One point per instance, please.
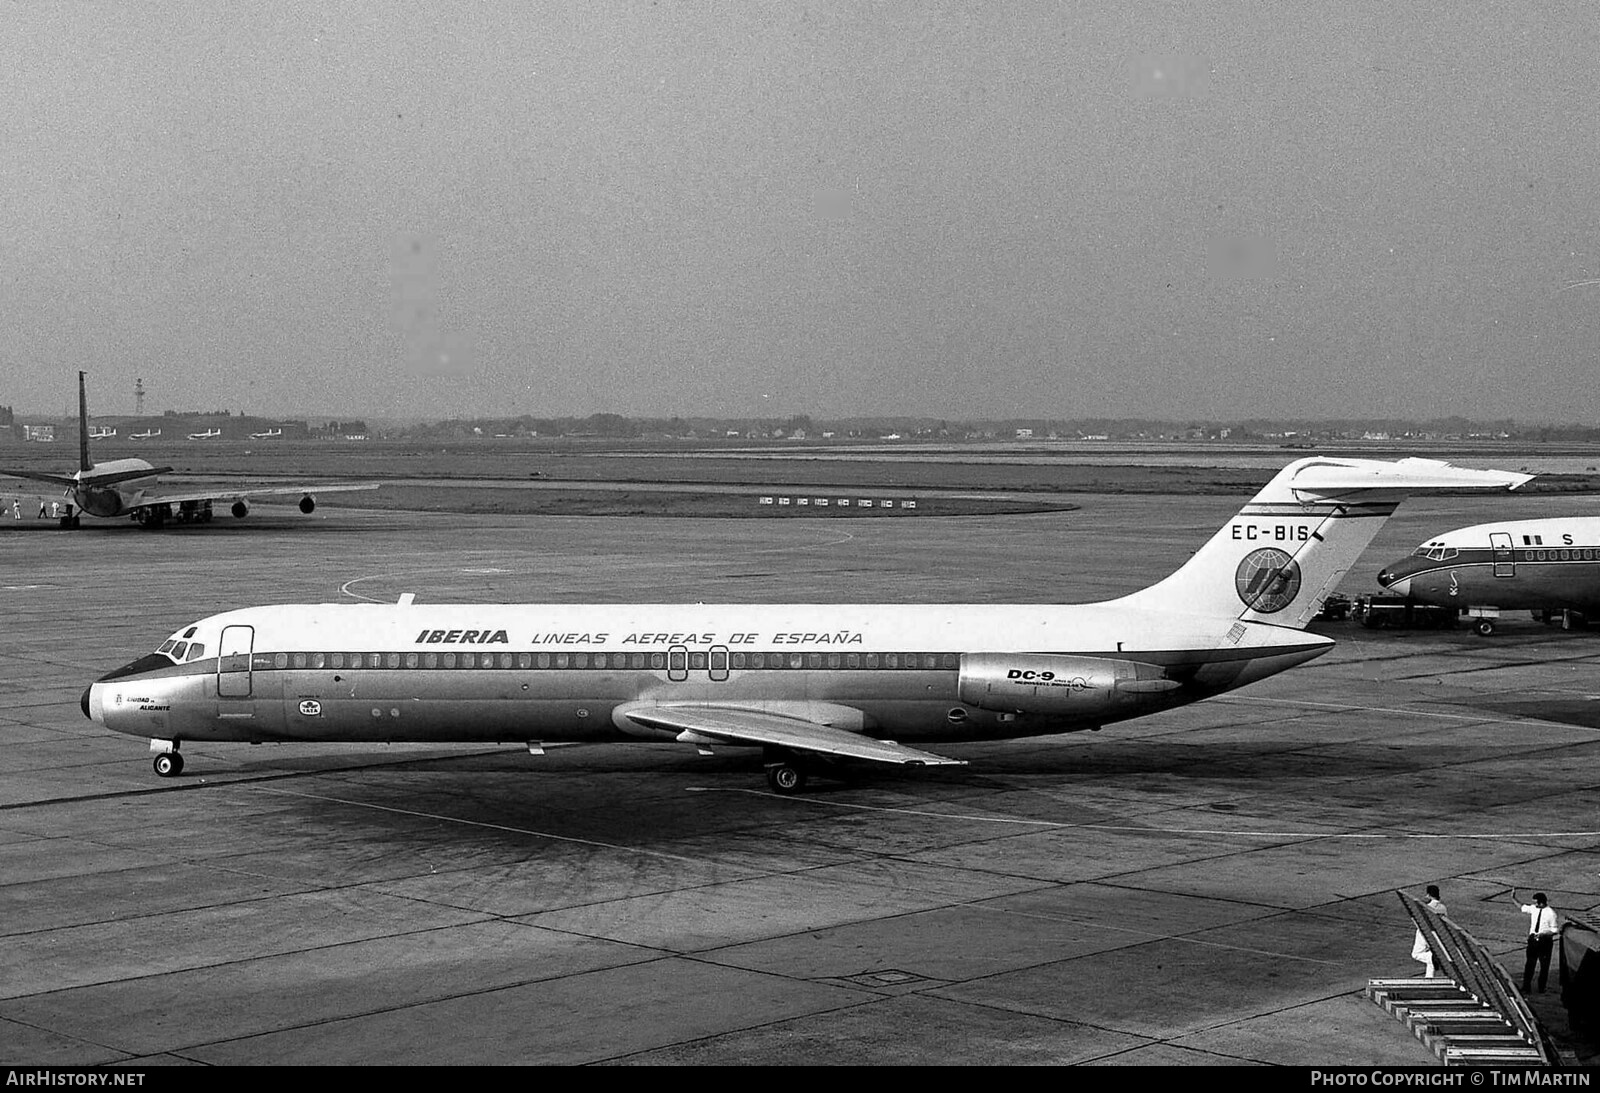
(786, 777)
(787, 772)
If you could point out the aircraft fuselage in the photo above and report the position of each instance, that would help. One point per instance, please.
(569, 673)
(1537, 565)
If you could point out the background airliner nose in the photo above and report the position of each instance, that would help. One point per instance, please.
(85, 703)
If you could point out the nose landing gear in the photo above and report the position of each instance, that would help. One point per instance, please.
(168, 763)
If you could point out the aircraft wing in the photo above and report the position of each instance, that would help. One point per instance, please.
(735, 726)
(217, 493)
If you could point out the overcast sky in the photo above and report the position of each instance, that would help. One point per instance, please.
(1185, 210)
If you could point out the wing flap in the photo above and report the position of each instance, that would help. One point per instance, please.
(736, 726)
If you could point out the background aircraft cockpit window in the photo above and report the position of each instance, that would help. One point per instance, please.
(196, 650)
(179, 650)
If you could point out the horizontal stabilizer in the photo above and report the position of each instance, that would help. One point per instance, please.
(1332, 479)
(736, 726)
(40, 476)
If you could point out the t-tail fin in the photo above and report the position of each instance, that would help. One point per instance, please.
(85, 464)
(1293, 543)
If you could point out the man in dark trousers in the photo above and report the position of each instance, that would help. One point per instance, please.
(1542, 930)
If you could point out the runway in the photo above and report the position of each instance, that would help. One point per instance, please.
(1212, 885)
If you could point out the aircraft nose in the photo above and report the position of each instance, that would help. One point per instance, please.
(1385, 577)
(85, 702)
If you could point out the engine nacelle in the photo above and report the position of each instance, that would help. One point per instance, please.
(307, 504)
(1059, 686)
(240, 509)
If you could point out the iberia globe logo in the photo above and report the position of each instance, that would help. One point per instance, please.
(1267, 580)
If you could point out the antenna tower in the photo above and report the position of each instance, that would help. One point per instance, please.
(138, 397)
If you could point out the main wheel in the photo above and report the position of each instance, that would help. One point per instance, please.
(786, 778)
(169, 764)
(1485, 627)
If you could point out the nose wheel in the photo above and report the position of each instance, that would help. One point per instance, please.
(169, 764)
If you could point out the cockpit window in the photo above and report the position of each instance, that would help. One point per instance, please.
(179, 650)
(197, 650)
(166, 646)
(189, 633)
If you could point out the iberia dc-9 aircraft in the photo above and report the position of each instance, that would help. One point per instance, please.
(808, 683)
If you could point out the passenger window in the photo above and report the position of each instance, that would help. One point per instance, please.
(469, 660)
(449, 660)
(430, 660)
(544, 660)
(299, 660)
(658, 660)
(580, 660)
(280, 660)
(636, 660)
(411, 660)
(524, 660)
(319, 660)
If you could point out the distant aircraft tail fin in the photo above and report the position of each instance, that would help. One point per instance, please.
(84, 462)
(1277, 560)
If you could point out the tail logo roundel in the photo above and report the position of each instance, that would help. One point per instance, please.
(1267, 580)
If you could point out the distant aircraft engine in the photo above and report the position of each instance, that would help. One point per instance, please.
(240, 509)
(1059, 686)
(307, 503)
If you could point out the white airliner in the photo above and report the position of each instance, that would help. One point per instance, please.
(128, 487)
(209, 434)
(145, 435)
(1551, 564)
(270, 434)
(806, 682)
